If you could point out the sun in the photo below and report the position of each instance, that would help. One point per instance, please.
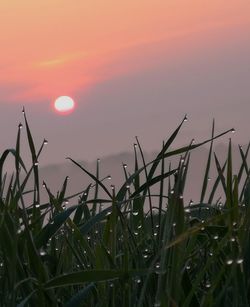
(64, 105)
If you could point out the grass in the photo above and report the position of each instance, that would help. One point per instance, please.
(126, 246)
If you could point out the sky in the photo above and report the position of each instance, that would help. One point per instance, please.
(133, 68)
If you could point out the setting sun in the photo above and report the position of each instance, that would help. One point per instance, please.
(64, 104)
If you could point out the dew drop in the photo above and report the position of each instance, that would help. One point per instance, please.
(45, 142)
(187, 210)
(157, 265)
(135, 213)
(208, 285)
(138, 280)
(216, 237)
(229, 261)
(125, 165)
(239, 261)
(233, 130)
(36, 163)
(20, 126)
(42, 252)
(185, 118)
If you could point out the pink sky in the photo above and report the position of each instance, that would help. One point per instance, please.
(134, 67)
(50, 48)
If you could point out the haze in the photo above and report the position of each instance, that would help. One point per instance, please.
(132, 67)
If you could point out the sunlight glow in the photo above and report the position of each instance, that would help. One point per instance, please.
(64, 104)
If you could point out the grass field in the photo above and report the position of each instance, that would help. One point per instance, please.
(110, 250)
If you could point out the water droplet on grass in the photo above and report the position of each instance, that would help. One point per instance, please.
(138, 280)
(42, 252)
(229, 261)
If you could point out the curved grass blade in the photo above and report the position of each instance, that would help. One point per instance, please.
(206, 176)
(93, 177)
(91, 276)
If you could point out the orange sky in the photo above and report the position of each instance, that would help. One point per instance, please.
(58, 47)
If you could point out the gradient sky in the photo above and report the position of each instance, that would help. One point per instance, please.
(133, 67)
